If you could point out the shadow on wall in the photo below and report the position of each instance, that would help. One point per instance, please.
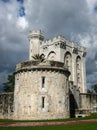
(72, 104)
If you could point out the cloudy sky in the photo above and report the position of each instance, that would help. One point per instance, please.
(74, 19)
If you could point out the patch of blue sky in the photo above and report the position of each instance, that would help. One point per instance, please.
(22, 11)
(21, 1)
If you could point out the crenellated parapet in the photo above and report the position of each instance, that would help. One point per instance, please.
(36, 34)
(61, 42)
(55, 40)
(47, 65)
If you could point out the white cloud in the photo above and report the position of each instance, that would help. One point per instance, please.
(9, 16)
(22, 22)
(91, 3)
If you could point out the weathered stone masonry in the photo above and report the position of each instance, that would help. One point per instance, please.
(41, 90)
(6, 105)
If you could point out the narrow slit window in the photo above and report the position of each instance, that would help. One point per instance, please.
(43, 82)
(43, 102)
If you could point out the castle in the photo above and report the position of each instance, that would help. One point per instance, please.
(52, 89)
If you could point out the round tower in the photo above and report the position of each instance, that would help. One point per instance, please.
(41, 91)
(35, 38)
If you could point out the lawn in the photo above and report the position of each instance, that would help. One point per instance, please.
(92, 116)
(88, 126)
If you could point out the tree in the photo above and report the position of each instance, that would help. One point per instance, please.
(39, 57)
(89, 91)
(94, 88)
(9, 85)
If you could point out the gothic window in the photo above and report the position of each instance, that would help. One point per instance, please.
(43, 102)
(67, 60)
(78, 62)
(43, 81)
(78, 70)
(68, 63)
(51, 56)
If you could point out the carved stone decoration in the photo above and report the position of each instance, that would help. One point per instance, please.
(84, 54)
(63, 45)
(75, 50)
(56, 45)
(45, 48)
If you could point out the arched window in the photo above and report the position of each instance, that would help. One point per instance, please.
(78, 71)
(68, 59)
(68, 63)
(51, 56)
(78, 62)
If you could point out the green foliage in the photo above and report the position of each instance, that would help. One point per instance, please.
(86, 126)
(9, 85)
(89, 91)
(94, 88)
(39, 57)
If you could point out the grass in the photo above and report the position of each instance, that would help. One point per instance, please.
(88, 126)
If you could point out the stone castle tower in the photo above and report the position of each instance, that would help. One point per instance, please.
(61, 50)
(41, 88)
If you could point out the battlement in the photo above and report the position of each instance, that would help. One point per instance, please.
(37, 64)
(36, 34)
(54, 40)
(59, 39)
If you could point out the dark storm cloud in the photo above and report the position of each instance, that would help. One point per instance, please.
(71, 18)
(21, 1)
(5, 1)
(91, 66)
(63, 17)
(13, 40)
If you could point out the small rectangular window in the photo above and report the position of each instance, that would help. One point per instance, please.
(43, 82)
(43, 102)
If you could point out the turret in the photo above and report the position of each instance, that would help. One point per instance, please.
(35, 38)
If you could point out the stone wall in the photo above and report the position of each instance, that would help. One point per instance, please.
(6, 105)
(88, 101)
(56, 105)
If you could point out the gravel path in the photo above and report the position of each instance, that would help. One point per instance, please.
(12, 124)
